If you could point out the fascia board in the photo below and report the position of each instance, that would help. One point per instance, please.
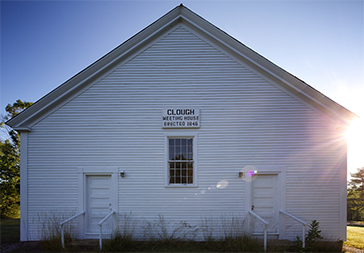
(78, 82)
(259, 63)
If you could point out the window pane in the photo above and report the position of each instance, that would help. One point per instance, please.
(184, 180)
(171, 142)
(184, 173)
(184, 151)
(171, 153)
(178, 180)
(178, 152)
(171, 180)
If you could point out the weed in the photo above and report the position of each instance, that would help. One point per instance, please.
(120, 243)
(314, 233)
(50, 229)
(222, 228)
(207, 228)
(158, 230)
(232, 227)
(314, 242)
(127, 225)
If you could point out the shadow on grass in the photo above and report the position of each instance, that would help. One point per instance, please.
(10, 231)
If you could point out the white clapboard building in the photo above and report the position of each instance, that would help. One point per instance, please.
(184, 122)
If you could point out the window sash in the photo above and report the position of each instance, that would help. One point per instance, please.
(180, 163)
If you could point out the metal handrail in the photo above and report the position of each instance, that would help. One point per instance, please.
(265, 227)
(64, 222)
(300, 221)
(100, 224)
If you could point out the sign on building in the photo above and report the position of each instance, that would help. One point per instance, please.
(181, 118)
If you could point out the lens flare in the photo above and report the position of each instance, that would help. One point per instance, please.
(222, 184)
(249, 173)
(355, 136)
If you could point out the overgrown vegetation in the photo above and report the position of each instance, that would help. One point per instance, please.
(232, 240)
(221, 234)
(238, 244)
(157, 230)
(49, 229)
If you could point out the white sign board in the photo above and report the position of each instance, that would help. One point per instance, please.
(181, 118)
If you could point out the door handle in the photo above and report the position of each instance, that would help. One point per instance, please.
(252, 207)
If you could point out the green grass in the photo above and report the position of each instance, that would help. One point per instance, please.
(10, 231)
(355, 237)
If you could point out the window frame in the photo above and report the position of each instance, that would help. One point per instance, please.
(181, 135)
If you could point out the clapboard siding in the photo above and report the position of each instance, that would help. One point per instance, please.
(245, 120)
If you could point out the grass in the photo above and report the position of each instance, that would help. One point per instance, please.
(10, 231)
(355, 237)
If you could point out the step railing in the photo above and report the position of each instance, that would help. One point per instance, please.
(100, 224)
(265, 227)
(64, 222)
(300, 221)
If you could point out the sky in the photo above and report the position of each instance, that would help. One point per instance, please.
(44, 43)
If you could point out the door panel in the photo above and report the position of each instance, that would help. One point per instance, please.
(264, 202)
(98, 203)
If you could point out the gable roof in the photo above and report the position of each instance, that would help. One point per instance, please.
(179, 14)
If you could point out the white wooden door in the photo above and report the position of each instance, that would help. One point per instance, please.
(264, 202)
(98, 204)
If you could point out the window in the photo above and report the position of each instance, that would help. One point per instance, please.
(180, 160)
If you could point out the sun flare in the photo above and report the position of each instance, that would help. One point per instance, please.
(355, 135)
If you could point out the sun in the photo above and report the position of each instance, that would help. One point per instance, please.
(355, 135)
(356, 129)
